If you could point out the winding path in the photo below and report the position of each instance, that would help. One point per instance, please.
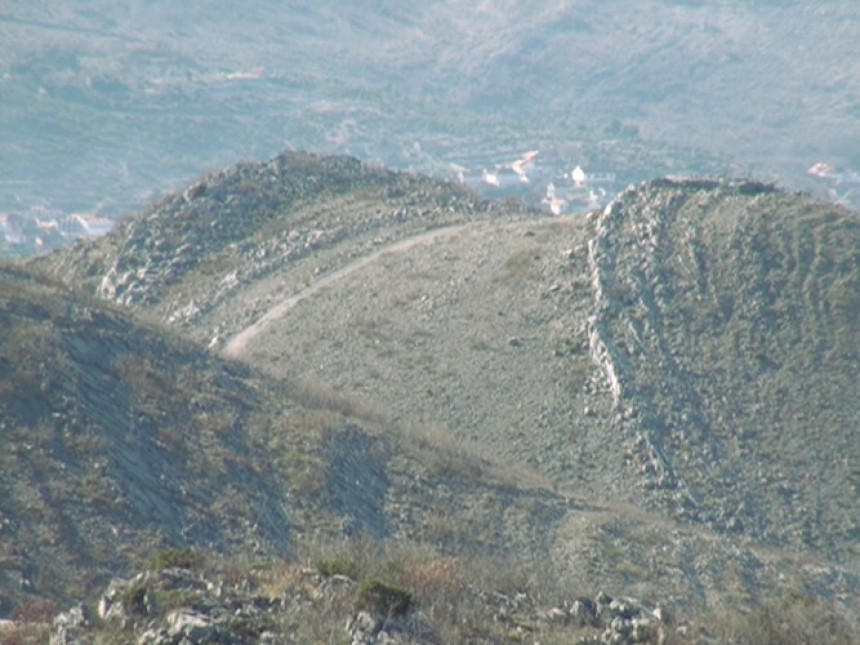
(238, 344)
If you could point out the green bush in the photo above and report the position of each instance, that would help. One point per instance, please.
(380, 598)
(339, 566)
(184, 558)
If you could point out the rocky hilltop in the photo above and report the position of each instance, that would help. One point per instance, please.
(655, 400)
(725, 316)
(193, 252)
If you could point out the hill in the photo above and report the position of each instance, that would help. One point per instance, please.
(722, 314)
(190, 253)
(692, 349)
(726, 316)
(120, 440)
(654, 400)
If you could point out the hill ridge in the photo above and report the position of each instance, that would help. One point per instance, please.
(237, 227)
(654, 256)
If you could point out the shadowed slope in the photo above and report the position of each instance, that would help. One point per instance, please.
(118, 439)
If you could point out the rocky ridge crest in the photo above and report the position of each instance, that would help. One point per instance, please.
(194, 251)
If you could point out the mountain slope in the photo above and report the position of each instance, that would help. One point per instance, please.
(120, 440)
(722, 318)
(729, 317)
(625, 396)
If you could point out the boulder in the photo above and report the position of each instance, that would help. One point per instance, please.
(68, 626)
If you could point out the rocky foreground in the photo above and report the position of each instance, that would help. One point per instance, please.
(177, 605)
(180, 602)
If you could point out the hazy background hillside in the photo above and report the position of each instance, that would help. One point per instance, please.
(103, 105)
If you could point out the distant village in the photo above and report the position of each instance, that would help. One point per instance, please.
(556, 191)
(40, 229)
(842, 185)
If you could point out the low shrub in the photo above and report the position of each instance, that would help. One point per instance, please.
(184, 558)
(378, 597)
(339, 566)
(133, 599)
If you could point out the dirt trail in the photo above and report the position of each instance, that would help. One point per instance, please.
(238, 344)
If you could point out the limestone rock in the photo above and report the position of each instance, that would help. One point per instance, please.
(68, 626)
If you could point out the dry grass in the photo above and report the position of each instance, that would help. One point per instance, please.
(794, 619)
(30, 623)
(449, 456)
(451, 593)
(524, 264)
(319, 396)
(25, 634)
